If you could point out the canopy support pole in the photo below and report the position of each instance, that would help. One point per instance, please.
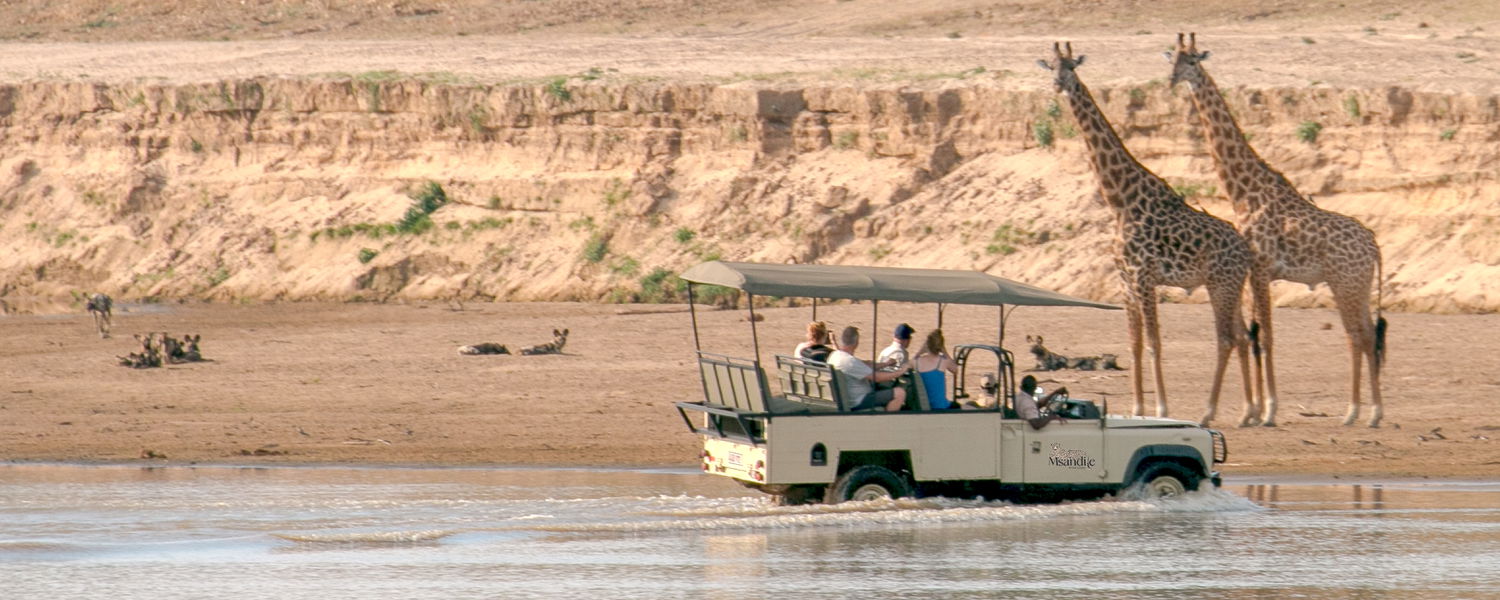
(875, 327)
(694, 314)
(815, 309)
(940, 315)
(1001, 341)
(753, 335)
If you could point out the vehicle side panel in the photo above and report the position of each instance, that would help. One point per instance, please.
(959, 446)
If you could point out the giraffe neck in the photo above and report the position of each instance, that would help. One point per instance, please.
(1114, 166)
(1239, 167)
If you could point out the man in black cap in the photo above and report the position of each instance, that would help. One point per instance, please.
(895, 355)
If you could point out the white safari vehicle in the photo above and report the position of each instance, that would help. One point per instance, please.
(795, 439)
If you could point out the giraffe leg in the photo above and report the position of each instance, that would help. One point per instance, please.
(1231, 332)
(1137, 390)
(1260, 290)
(1354, 312)
(1152, 329)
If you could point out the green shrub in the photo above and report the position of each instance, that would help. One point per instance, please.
(683, 235)
(1042, 130)
(596, 248)
(1447, 134)
(559, 89)
(424, 202)
(367, 254)
(1308, 131)
(1351, 106)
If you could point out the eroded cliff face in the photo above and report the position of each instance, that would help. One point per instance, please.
(275, 189)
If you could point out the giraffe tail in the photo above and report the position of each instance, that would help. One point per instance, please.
(1380, 324)
(1255, 339)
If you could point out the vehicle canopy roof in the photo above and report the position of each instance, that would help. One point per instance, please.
(879, 283)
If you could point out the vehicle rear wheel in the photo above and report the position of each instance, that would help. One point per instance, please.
(1164, 480)
(868, 482)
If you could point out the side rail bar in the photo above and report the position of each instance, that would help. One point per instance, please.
(715, 426)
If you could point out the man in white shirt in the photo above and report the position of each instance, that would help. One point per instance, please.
(896, 354)
(857, 377)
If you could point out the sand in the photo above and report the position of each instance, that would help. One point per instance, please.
(372, 384)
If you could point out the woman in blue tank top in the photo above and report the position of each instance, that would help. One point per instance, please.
(933, 366)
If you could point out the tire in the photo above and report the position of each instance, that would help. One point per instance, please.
(1163, 480)
(868, 482)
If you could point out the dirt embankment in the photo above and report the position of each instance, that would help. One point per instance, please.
(581, 187)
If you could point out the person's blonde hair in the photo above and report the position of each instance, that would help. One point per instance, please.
(817, 332)
(935, 343)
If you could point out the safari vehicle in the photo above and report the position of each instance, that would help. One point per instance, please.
(801, 444)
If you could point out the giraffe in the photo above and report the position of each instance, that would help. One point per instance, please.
(1161, 241)
(1291, 239)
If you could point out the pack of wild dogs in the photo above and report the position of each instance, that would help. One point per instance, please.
(157, 348)
(559, 339)
(1047, 360)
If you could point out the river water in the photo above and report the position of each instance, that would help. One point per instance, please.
(125, 533)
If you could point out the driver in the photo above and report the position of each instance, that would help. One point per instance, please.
(1028, 407)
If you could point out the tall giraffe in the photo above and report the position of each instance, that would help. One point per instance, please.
(1161, 241)
(1291, 238)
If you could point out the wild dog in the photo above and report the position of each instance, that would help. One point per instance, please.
(150, 355)
(1047, 360)
(181, 351)
(190, 350)
(559, 338)
(485, 348)
(101, 307)
(171, 349)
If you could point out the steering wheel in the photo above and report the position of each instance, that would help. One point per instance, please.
(1058, 402)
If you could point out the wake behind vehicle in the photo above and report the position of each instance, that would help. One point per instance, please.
(800, 443)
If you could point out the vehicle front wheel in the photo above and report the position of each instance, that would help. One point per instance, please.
(1164, 480)
(868, 482)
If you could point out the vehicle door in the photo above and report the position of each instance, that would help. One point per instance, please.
(1063, 452)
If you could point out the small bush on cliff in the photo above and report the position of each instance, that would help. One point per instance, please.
(426, 200)
(683, 235)
(1042, 131)
(1308, 131)
(367, 254)
(559, 89)
(596, 248)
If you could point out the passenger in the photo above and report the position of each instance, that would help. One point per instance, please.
(816, 346)
(1027, 405)
(931, 362)
(857, 377)
(896, 354)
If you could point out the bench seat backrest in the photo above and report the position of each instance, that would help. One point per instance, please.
(809, 381)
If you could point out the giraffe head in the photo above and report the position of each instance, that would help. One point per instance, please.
(1185, 61)
(1063, 65)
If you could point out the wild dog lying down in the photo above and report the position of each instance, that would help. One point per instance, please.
(485, 348)
(559, 338)
(101, 307)
(149, 356)
(1047, 360)
(160, 348)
